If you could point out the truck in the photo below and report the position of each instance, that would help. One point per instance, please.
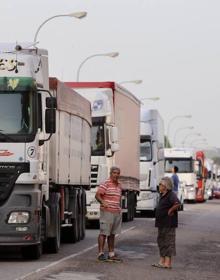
(45, 155)
(115, 141)
(209, 184)
(151, 160)
(185, 160)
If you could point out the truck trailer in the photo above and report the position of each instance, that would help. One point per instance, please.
(151, 160)
(115, 141)
(44, 155)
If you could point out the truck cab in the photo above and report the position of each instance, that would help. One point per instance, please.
(151, 160)
(184, 159)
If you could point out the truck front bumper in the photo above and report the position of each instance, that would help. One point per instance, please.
(27, 199)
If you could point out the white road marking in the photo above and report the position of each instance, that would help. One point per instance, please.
(67, 258)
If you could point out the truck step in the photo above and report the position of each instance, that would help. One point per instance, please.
(68, 213)
(66, 225)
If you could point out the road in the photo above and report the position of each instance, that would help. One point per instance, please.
(198, 253)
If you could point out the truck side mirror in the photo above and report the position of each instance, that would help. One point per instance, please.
(155, 152)
(114, 139)
(114, 134)
(115, 147)
(50, 121)
(51, 102)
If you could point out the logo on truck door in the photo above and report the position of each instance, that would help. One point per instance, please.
(5, 153)
(9, 64)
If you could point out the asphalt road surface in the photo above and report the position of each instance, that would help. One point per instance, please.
(198, 253)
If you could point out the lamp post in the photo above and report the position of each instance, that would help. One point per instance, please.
(132, 82)
(169, 123)
(188, 135)
(178, 130)
(111, 54)
(77, 15)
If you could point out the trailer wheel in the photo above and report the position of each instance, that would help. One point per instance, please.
(32, 252)
(83, 216)
(71, 234)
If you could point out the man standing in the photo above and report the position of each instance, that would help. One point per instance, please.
(109, 197)
(175, 179)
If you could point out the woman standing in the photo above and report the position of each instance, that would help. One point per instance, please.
(166, 222)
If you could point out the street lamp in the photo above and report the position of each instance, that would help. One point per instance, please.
(156, 98)
(112, 54)
(149, 98)
(169, 123)
(188, 135)
(78, 15)
(132, 82)
(178, 130)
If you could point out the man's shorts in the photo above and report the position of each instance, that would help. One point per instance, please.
(110, 223)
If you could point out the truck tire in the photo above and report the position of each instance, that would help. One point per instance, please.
(83, 215)
(32, 252)
(71, 234)
(52, 244)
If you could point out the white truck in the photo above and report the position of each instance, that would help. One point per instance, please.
(44, 155)
(185, 160)
(209, 183)
(151, 160)
(115, 141)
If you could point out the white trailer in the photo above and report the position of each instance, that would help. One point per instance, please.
(44, 155)
(151, 159)
(185, 160)
(115, 141)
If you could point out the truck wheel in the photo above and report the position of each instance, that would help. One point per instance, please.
(52, 244)
(71, 234)
(32, 252)
(83, 215)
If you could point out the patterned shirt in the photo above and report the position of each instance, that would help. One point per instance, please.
(111, 193)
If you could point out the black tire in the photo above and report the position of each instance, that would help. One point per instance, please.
(52, 245)
(83, 217)
(32, 252)
(71, 234)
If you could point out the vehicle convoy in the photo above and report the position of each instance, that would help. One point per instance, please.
(115, 141)
(44, 155)
(151, 159)
(185, 160)
(201, 194)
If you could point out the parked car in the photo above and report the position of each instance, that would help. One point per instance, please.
(216, 190)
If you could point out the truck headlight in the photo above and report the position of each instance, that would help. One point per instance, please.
(18, 217)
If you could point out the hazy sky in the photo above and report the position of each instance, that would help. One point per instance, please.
(172, 45)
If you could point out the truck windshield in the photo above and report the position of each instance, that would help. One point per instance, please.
(98, 139)
(145, 150)
(184, 165)
(16, 113)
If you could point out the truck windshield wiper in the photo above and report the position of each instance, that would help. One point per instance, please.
(6, 136)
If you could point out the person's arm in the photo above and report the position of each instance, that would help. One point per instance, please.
(176, 204)
(173, 209)
(99, 198)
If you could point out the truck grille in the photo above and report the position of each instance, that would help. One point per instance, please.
(9, 172)
(94, 175)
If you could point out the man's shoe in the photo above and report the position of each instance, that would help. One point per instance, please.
(114, 259)
(102, 258)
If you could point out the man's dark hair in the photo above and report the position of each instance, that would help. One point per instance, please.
(175, 168)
